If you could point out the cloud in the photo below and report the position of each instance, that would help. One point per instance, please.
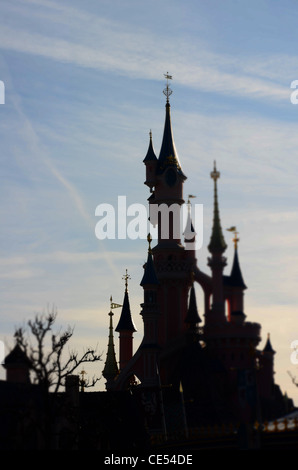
(113, 46)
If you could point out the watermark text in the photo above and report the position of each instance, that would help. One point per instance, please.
(164, 221)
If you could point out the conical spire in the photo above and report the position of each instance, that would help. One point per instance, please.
(192, 316)
(125, 322)
(149, 276)
(189, 232)
(217, 242)
(168, 155)
(236, 278)
(110, 370)
(268, 347)
(150, 156)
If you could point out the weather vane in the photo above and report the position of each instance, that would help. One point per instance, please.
(113, 305)
(126, 277)
(190, 196)
(235, 239)
(167, 91)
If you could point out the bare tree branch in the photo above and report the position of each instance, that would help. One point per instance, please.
(293, 379)
(46, 353)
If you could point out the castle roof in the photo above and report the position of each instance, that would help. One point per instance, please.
(236, 278)
(168, 155)
(149, 276)
(268, 347)
(150, 156)
(192, 316)
(17, 357)
(125, 322)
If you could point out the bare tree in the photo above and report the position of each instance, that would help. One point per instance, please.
(45, 349)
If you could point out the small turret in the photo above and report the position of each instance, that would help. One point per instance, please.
(268, 349)
(110, 370)
(217, 242)
(125, 328)
(150, 161)
(17, 366)
(267, 365)
(149, 277)
(236, 284)
(192, 317)
(189, 232)
(217, 262)
(236, 278)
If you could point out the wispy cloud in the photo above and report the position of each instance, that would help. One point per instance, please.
(39, 157)
(65, 159)
(112, 46)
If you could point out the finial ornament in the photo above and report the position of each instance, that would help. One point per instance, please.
(113, 305)
(126, 277)
(190, 196)
(149, 239)
(83, 381)
(167, 91)
(235, 239)
(215, 174)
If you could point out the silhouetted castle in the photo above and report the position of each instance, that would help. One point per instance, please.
(190, 370)
(216, 362)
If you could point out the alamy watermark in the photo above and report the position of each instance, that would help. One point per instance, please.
(294, 354)
(134, 222)
(2, 92)
(294, 94)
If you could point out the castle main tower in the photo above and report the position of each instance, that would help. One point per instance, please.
(173, 263)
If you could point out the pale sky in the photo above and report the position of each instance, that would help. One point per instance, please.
(83, 87)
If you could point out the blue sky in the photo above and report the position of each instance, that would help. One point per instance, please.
(83, 88)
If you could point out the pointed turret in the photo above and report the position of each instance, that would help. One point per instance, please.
(267, 366)
(150, 161)
(236, 275)
(125, 322)
(235, 285)
(168, 156)
(217, 242)
(192, 317)
(150, 156)
(125, 328)
(217, 262)
(268, 347)
(110, 370)
(236, 278)
(189, 232)
(149, 277)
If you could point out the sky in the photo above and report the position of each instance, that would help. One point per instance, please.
(83, 88)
